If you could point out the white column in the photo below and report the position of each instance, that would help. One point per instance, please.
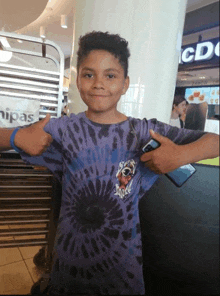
(153, 29)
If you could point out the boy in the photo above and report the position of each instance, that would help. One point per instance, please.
(97, 156)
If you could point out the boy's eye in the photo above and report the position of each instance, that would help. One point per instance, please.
(111, 76)
(89, 75)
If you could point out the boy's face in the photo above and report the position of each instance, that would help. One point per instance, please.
(101, 81)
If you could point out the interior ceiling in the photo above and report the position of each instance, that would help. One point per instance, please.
(196, 4)
(16, 14)
(26, 16)
(46, 13)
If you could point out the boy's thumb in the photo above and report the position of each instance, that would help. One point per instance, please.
(45, 120)
(156, 136)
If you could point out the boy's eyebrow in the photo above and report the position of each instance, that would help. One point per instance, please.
(112, 69)
(106, 70)
(87, 68)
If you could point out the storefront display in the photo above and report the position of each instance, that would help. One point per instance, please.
(202, 112)
(198, 78)
(205, 101)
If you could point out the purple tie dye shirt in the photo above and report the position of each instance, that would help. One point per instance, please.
(98, 247)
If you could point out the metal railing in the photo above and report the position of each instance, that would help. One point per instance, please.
(33, 83)
(26, 191)
(25, 204)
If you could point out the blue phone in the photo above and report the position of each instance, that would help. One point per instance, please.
(180, 175)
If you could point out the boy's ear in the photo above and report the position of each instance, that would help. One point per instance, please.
(126, 85)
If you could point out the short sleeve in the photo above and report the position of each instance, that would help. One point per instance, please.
(179, 136)
(52, 158)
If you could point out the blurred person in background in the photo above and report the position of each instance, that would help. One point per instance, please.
(178, 114)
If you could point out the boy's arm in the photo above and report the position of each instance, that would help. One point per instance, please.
(33, 139)
(170, 156)
(5, 135)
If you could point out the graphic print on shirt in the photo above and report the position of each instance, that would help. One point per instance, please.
(125, 173)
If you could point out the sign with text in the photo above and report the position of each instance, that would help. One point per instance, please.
(18, 112)
(200, 52)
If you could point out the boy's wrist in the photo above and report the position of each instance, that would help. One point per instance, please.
(14, 139)
(181, 156)
(189, 153)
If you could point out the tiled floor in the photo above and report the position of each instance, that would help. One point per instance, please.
(17, 270)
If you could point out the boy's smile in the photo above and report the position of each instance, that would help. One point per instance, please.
(101, 83)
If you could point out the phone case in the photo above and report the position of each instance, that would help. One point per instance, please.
(181, 175)
(178, 176)
(151, 145)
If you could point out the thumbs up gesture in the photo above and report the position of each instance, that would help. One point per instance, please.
(164, 159)
(33, 139)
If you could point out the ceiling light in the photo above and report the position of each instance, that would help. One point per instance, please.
(64, 21)
(202, 77)
(19, 40)
(42, 32)
(183, 79)
(5, 56)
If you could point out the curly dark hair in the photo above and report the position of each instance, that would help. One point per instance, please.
(112, 43)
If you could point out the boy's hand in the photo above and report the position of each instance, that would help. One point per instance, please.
(33, 139)
(164, 159)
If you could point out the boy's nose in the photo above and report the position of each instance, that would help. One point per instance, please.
(98, 83)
